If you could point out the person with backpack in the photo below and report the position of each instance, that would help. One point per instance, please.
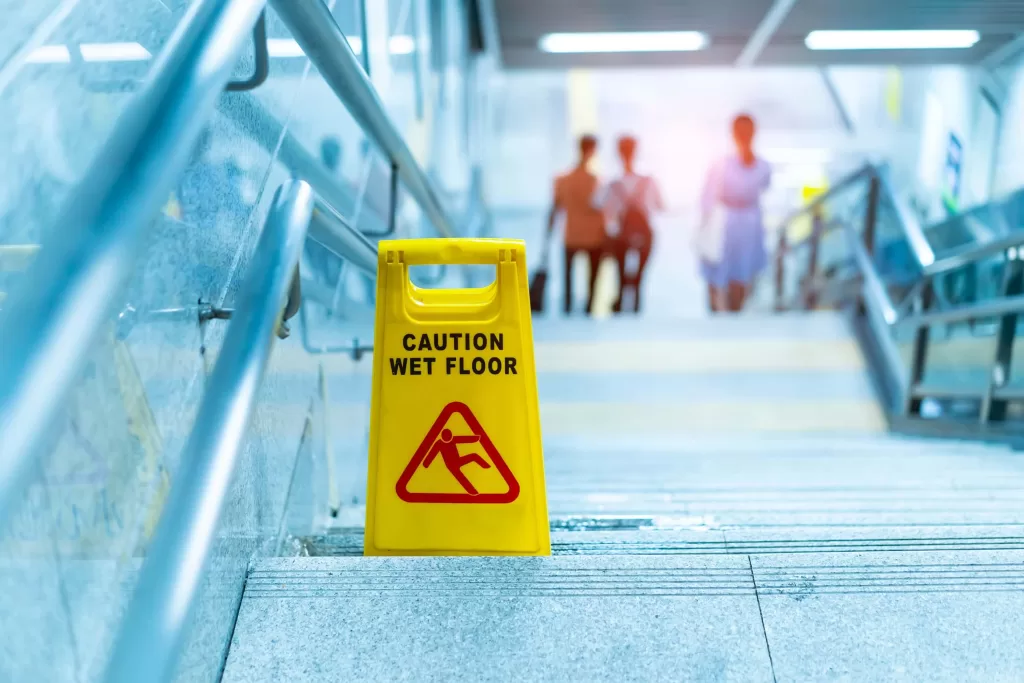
(629, 202)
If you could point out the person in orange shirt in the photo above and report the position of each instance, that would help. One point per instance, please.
(584, 224)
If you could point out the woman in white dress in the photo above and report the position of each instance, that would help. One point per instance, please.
(734, 185)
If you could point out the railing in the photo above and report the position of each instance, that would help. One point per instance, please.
(48, 324)
(316, 31)
(151, 634)
(917, 308)
(152, 630)
(332, 231)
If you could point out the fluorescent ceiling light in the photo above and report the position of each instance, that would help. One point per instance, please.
(49, 54)
(287, 47)
(114, 52)
(638, 41)
(890, 40)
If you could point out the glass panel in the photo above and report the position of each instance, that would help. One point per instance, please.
(834, 263)
(71, 556)
(958, 358)
(403, 90)
(69, 550)
(893, 256)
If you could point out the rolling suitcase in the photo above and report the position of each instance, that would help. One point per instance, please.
(539, 281)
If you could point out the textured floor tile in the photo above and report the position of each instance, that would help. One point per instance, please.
(894, 617)
(499, 619)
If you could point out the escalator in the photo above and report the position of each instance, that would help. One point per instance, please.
(935, 306)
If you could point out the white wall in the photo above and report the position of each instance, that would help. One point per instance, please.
(1009, 175)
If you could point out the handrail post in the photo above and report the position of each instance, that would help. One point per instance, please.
(153, 628)
(1003, 362)
(871, 214)
(810, 280)
(919, 358)
(393, 200)
(780, 270)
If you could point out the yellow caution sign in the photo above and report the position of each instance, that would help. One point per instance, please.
(456, 466)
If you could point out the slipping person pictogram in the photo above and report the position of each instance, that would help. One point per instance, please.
(442, 441)
(448, 446)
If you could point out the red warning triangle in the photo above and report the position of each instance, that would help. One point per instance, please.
(441, 444)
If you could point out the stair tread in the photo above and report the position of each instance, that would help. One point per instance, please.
(631, 618)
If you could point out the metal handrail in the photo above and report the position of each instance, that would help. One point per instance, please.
(985, 309)
(873, 284)
(17, 257)
(332, 231)
(319, 36)
(153, 628)
(973, 253)
(808, 209)
(252, 117)
(48, 328)
(909, 225)
(900, 381)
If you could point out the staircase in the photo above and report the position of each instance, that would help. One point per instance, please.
(725, 505)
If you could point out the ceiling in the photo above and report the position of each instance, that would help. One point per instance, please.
(730, 23)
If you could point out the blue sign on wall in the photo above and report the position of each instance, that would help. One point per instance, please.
(952, 174)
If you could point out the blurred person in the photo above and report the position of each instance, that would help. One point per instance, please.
(330, 153)
(733, 187)
(584, 225)
(629, 202)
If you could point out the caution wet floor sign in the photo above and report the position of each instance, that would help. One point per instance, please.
(455, 452)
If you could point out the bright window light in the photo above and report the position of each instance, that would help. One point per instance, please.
(797, 155)
(639, 41)
(50, 54)
(287, 47)
(114, 52)
(401, 45)
(890, 40)
(284, 47)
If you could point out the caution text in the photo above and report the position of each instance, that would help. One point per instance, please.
(469, 364)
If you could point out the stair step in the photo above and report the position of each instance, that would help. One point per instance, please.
(644, 536)
(632, 618)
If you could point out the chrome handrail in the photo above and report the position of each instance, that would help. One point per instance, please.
(153, 628)
(873, 284)
(992, 308)
(808, 209)
(48, 327)
(332, 231)
(972, 253)
(319, 36)
(909, 225)
(17, 257)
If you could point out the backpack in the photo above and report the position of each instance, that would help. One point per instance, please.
(634, 225)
